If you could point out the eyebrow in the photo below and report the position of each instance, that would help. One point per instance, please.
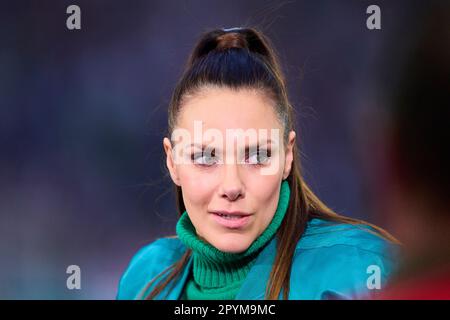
(259, 144)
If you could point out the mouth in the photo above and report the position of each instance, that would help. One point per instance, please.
(233, 220)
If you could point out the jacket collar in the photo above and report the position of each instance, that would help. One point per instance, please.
(255, 283)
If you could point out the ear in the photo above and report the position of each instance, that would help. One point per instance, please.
(289, 155)
(169, 161)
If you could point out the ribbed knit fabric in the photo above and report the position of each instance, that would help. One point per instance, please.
(219, 275)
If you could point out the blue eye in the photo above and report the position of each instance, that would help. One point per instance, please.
(259, 158)
(204, 158)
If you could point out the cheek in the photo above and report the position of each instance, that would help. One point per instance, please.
(196, 187)
(268, 192)
(266, 197)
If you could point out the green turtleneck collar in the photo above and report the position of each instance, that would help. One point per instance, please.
(216, 274)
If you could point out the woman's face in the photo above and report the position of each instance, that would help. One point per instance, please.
(224, 178)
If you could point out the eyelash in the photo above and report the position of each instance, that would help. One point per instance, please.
(266, 152)
(196, 155)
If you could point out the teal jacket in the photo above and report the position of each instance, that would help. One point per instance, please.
(331, 261)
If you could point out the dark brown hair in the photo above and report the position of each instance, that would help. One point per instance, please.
(244, 58)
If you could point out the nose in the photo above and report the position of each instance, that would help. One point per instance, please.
(231, 187)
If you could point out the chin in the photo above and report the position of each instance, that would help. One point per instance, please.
(232, 244)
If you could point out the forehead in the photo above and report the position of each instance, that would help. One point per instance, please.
(224, 108)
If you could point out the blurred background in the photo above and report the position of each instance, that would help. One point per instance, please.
(83, 114)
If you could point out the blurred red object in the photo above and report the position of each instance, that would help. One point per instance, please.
(431, 286)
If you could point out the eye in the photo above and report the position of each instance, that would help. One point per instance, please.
(204, 158)
(259, 157)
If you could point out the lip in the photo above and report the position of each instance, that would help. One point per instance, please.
(230, 213)
(235, 223)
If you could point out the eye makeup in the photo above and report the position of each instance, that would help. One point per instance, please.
(208, 156)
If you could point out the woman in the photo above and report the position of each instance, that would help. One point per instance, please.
(251, 228)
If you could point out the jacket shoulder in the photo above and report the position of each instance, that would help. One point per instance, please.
(147, 263)
(322, 233)
(341, 261)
